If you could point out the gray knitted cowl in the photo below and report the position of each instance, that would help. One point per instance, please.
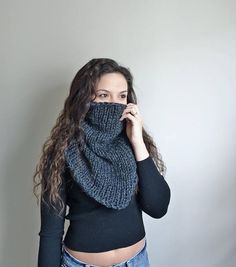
(105, 167)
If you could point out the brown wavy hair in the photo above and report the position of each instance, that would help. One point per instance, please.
(50, 168)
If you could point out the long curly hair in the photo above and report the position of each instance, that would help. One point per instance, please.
(50, 168)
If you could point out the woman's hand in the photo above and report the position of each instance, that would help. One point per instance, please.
(134, 123)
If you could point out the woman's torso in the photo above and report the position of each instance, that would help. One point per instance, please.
(108, 257)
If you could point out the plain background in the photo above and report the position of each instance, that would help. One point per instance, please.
(182, 54)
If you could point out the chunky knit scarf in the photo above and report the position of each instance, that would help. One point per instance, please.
(105, 167)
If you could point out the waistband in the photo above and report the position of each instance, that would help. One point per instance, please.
(68, 256)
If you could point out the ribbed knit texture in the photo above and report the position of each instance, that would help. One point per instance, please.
(105, 167)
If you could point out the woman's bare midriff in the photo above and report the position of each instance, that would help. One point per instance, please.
(108, 258)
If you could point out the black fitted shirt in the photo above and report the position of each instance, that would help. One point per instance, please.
(95, 228)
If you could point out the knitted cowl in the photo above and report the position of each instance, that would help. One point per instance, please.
(105, 167)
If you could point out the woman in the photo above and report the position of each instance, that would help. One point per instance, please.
(101, 163)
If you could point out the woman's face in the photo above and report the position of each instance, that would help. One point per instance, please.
(112, 87)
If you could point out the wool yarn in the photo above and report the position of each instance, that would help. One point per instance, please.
(105, 167)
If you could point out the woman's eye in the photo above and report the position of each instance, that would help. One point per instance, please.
(123, 96)
(102, 94)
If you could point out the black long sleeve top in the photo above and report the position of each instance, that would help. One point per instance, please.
(96, 228)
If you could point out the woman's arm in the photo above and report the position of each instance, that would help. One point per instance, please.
(51, 232)
(154, 192)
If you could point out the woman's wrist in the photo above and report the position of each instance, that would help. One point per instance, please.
(140, 150)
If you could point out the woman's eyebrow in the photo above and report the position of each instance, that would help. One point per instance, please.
(109, 91)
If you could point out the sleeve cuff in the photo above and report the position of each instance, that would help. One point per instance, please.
(144, 160)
